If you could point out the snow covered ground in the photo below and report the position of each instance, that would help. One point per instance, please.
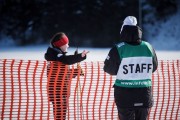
(96, 54)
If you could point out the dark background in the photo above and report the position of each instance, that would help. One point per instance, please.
(88, 23)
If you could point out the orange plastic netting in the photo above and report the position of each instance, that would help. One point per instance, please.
(38, 90)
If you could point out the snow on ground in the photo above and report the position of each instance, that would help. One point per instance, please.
(96, 54)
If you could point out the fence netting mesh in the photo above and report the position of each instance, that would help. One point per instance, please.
(39, 90)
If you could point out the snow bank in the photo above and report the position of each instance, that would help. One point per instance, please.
(96, 54)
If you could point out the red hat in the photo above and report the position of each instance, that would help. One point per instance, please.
(62, 41)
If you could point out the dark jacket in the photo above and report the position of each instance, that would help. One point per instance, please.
(127, 97)
(55, 54)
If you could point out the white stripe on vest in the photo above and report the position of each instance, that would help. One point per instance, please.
(135, 68)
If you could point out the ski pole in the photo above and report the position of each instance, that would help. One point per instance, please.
(79, 84)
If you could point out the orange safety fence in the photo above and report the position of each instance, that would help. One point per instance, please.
(40, 90)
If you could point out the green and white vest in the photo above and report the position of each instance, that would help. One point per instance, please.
(135, 70)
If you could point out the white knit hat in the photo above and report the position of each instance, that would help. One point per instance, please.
(129, 20)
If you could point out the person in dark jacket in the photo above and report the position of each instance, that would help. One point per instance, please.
(59, 74)
(133, 61)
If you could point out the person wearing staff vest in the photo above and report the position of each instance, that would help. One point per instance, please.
(132, 61)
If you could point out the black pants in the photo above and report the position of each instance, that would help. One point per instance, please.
(59, 100)
(59, 110)
(133, 113)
